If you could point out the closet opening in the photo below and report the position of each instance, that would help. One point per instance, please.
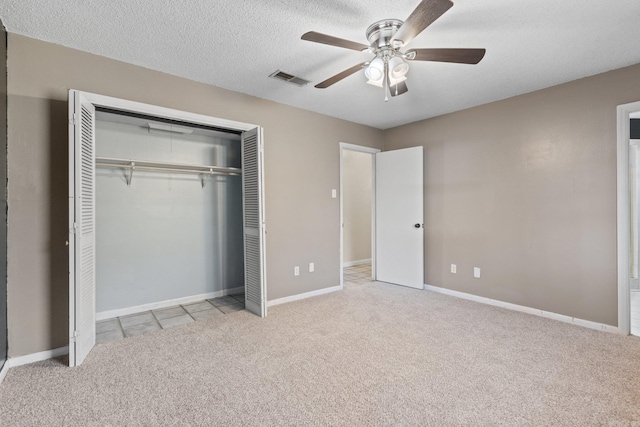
(169, 229)
(166, 219)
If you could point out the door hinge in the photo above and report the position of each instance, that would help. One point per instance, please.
(74, 120)
(74, 229)
(74, 337)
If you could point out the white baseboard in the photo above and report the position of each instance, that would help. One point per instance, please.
(110, 314)
(303, 296)
(37, 357)
(523, 309)
(4, 370)
(354, 263)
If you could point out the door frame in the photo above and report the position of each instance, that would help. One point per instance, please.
(169, 113)
(624, 113)
(372, 151)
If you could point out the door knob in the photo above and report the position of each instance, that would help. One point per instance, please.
(417, 226)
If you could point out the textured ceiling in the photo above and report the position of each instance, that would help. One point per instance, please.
(531, 44)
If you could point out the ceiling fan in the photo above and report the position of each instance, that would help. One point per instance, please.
(389, 67)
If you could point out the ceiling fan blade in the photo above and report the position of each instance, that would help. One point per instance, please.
(335, 79)
(460, 56)
(398, 89)
(312, 36)
(423, 16)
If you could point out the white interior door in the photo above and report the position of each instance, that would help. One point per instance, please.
(82, 276)
(254, 223)
(399, 217)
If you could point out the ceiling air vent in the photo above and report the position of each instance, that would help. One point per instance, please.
(281, 75)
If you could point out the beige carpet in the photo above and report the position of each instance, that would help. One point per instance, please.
(371, 355)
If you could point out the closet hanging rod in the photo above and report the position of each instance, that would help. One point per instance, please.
(164, 166)
(160, 169)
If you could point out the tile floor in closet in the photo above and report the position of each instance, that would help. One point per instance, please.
(139, 323)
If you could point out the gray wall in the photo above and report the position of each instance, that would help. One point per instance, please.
(356, 208)
(165, 236)
(302, 160)
(525, 189)
(3, 195)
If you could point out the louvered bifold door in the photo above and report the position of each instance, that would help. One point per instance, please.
(254, 224)
(82, 276)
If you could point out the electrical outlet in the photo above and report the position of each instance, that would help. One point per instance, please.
(476, 272)
(312, 267)
(296, 271)
(453, 268)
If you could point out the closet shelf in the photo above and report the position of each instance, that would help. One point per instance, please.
(132, 165)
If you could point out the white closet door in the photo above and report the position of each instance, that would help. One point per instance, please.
(254, 224)
(82, 276)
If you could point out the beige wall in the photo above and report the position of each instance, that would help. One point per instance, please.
(356, 205)
(302, 166)
(525, 189)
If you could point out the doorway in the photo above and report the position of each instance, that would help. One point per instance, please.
(396, 211)
(357, 214)
(628, 147)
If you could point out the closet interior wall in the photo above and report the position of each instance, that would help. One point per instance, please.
(163, 235)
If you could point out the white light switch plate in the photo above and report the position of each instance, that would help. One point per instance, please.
(296, 271)
(334, 193)
(312, 267)
(476, 272)
(453, 268)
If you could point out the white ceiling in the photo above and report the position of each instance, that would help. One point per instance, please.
(236, 44)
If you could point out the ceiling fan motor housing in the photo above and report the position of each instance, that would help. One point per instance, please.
(380, 33)
(388, 59)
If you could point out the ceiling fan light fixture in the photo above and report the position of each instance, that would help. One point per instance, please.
(392, 81)
(375, 70)
(397, 67)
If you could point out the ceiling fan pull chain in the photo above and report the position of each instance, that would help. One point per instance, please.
(386, 79)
